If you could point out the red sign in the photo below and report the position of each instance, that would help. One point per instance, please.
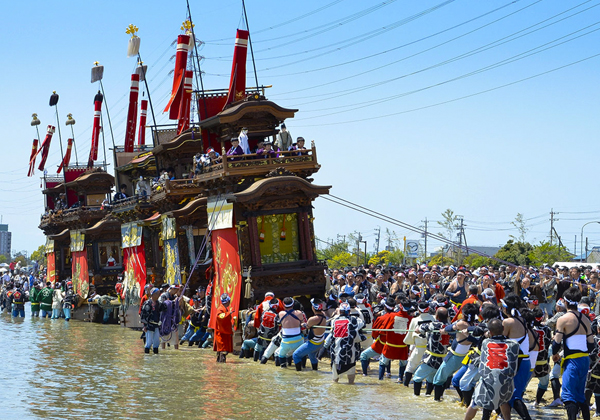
(80, 273)
(228, 272)
(51, 272)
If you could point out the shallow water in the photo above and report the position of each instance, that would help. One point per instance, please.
(55, 369)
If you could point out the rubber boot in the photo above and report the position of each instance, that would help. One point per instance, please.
(418, 386)
(299, 367)
(290, 361)
(263, 360)
(460, 394)
(146, 350)
(315, 366)
(448, 383)
(277, 361)
(468, 396)
(365, 366)
(429, 389)
(438, 392)
(572, 409)
(256, 356)
(223, 358)
(486, 414)
(191, 343)
(407, 378)
(401, 373)
(304, 362)
(555, 383)
(585, 411)
(155, 350)
(283, 362)
(539, 395)
(181, 342)
(522, 411)
(381, 372)
(242, 353)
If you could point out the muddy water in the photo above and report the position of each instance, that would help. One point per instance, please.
(53, 369)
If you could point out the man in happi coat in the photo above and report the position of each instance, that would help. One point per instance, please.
(344, 330)
(223, 340)
(497, 366)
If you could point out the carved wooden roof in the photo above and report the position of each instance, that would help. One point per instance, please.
(284, 184)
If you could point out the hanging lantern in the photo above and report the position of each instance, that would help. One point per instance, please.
(282, 235)
(261, 235)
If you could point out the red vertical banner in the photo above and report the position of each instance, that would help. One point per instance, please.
(183, 42)
(143, 116)
(134, 261)
(228, 272)
(96, 129)
(51, 269)
(80, 273)
(132, 112)
(237, 83)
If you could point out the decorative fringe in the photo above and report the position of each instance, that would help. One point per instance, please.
(248, 291)
(192, 40)
(133, 47)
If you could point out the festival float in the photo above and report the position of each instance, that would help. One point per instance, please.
(236, 224)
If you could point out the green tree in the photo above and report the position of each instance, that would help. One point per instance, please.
(515, 252)
(20, 258)
(544, 253)
(39, 255)
(474, 260)
(380, 258)
(3, 259)
(519, 224)
(396, 257)
(449, 223)
(442, 261)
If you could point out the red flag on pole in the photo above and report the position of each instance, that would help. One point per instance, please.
(96, 129)
(237, 83)
(67, 157)
(183, 42)
(132, 113)
(32, 158)
(186, 100)
(45, 147)
(142, 130)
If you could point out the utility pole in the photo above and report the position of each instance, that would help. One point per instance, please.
(377, 240)
(586, 249)
(575, 252)
(425, 221)
(552, 220)
(358, 241)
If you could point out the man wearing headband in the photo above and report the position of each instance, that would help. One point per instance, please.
(516, 329)
(473, 298)
(367, 316)
(435, 352)
(268, 326)
(542, 365)
(316, 336)
(394, 348)
(574, 335)
(151, 320)
(416, 340)
(344, 332)
(264, 306)
(223, 339)
(457, 291)
(379, 337)
(292, 321)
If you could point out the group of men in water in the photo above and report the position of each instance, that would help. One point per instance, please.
(483, 334)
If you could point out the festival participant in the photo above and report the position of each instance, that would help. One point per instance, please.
(460, 347)
(435, 352)
(592, 386)
(473, 298)
(316, 336)
(68, 301)
(194, 323)
(34, 298)
(236, 150)
(266, 152)
(497, 367)
(223, 339)
(17, 299)
(284, 139)
(516, 329)
(379, 337)
(416, 340)
(291, 321)
(263, 307)
(457, 291)
(298, 147)
(367, 316)
(46, 300)
(573, 334)
(394, 347)
(57, 299)
(362, 284)
(344, 332)
(542, 365)
(151, 320)
(268, 325)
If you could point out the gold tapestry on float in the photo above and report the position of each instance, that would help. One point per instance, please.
(278, 238)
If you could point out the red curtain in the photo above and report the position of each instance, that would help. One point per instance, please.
(228, 272)
(134, 261)
(80, 273)
(51, 269)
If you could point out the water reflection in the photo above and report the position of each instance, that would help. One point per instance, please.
(57, 370)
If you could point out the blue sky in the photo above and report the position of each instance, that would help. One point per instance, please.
(386, 144)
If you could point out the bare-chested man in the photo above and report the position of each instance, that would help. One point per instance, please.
(291, 321)
(316, 336)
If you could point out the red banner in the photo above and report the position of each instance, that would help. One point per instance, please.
(51, 269)
(134, 261)
(80, 273)
(228, 272)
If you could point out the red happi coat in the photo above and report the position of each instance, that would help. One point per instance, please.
(223, 340)
(394, 348)
(379, 336)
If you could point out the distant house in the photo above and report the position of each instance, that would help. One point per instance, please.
(453, 251)
(592, 256)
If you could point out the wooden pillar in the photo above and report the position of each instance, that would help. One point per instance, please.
(254, 243)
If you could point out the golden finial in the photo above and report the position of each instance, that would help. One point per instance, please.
(96, 63)
(70, 120)
(53, 91)
(187, 26)
(35, 120)
(140, 63)
(131, 30)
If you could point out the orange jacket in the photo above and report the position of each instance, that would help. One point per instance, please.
(394, 348)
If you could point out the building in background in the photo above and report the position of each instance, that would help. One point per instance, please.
(5, 241)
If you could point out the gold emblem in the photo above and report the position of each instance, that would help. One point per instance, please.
(132, 30)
